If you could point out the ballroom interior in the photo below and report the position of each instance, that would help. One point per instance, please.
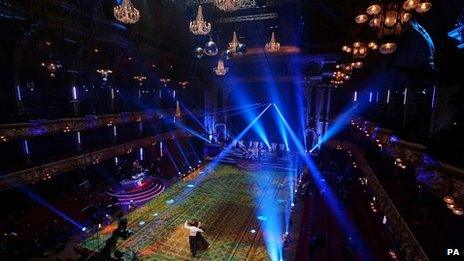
(266, 129)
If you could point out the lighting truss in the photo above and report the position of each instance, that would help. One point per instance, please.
(244, 4)
(245, 18)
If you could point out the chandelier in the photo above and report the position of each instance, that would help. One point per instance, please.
(220, 69)
(51, 67)
(341, 74)
(183, 84)
(228, 5)
(387, 48)
(126, 12)
(200, 26)
(359, 50)
(104, 73)
(140, 79)
(234, 44)
(273, 45)
(165, 81)
(392, 18)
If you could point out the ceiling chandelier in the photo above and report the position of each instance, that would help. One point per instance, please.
(126, 12)
(341, 74)
(183, 84)
(51, 67)
(104, 73)
(165, 81)
(391, 18)
(140, 79)
(234, 44)
(228, 5)
(359, 50)
(273, 45)
(200, 26)
(387, 48)
(235, 47)
(220, 69)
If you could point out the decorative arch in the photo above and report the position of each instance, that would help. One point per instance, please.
(421, 30)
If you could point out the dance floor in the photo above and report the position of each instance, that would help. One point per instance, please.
(226, 201)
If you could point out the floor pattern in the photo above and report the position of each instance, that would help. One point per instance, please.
(225, 201)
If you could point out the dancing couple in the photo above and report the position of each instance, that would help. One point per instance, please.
(196, 240)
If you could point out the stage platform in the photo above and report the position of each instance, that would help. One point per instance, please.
(227, 201)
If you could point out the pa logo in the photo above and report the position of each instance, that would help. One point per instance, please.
(452, 252)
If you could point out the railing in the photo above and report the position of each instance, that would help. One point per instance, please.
(47, 171)
(405, 239)
(440, 178)
(45, 127)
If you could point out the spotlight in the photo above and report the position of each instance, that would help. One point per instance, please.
(155, 214)
(84, 229)
(141, 223)
(253, 231)
(99, 225)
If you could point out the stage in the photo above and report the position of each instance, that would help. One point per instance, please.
(227, 201)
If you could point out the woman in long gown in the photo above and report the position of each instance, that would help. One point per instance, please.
(202, 244)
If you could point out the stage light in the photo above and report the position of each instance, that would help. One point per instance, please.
(141, 223)
(330, 197)
(83, 229)
(253, 231)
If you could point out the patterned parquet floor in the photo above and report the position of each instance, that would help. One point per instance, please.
(225, 200)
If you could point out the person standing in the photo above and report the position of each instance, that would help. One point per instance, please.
(193, 229)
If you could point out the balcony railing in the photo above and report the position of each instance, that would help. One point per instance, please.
(47, 171)
(46, 127)
(405, 239)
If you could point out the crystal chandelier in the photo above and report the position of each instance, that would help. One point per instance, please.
(104, 73)
(51, 67)
(126, 12)
(228, 5)
(165, 81)
(234, 44)
(140, 79)
(273, 45)
(220, 69)
(391, 19)
(200, 26)
(183, 84)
